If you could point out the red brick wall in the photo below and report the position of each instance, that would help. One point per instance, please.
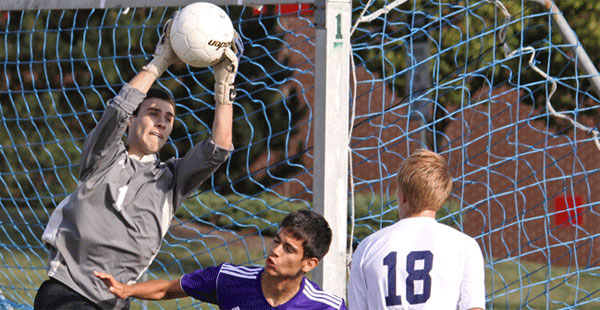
(508, 168)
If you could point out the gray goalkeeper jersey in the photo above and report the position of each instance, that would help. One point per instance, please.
(116, 218)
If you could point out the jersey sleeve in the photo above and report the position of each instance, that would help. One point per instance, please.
(357, 288)
(472, 290)
(202, 284)
(100, 145)
(195, 167)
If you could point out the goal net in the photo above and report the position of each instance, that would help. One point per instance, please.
(499, 88)
(503, 90)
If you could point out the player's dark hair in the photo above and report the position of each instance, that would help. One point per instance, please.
(157, 93)
(312, 229)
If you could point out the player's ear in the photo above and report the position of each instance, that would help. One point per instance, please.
(132, 118)
(309, 264)
(401, 197)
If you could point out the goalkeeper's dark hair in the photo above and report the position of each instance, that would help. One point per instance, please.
(157, 93)
(312, 229)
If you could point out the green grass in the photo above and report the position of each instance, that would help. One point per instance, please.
(262, 212)
(211, 229)
(516, 284)
(20, 276)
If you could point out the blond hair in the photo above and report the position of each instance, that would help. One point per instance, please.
(424, 180)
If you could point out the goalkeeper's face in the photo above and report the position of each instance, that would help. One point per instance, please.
(151, 127)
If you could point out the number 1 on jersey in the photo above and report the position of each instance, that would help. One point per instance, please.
(421, 274)
(392, 297)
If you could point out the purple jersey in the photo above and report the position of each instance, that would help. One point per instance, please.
(238, 288)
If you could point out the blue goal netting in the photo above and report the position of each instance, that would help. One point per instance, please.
(497, 87)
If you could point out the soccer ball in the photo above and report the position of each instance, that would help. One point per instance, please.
(200, 33)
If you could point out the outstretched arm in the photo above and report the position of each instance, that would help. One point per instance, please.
(225, 72)
(222, 126)
(143, 81)
(162, 58)
(152, 290)
(109, 131)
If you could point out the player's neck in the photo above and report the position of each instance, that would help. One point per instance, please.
(424, 213)
(278, 291)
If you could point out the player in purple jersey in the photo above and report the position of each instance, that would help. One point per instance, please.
(303, 238)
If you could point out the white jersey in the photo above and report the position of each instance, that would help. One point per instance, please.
(417, 263)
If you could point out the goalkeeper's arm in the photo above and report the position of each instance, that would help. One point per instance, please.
(162, 58)
(225, 72)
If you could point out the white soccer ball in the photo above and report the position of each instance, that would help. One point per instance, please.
(200, 33)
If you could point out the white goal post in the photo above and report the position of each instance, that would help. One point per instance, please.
(332, 85)
(9, 5)
(332, 82)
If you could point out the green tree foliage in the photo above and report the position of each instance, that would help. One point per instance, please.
(469, 45)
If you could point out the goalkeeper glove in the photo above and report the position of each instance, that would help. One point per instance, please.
(163, 56)
(225, 72)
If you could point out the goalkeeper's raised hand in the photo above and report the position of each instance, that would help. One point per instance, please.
(226, 70)
(163, 56)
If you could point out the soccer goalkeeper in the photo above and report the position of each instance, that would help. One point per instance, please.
(117, 216)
